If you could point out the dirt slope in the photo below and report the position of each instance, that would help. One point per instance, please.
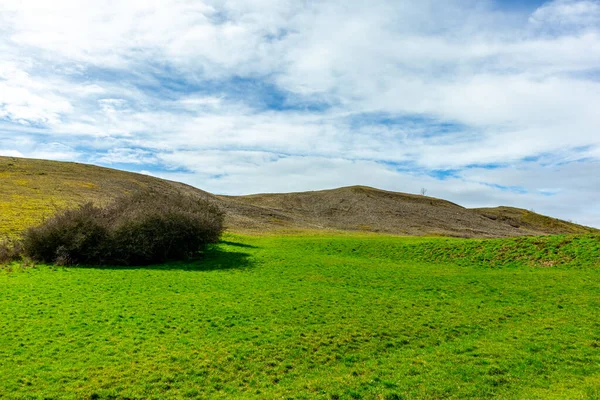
(33, 189)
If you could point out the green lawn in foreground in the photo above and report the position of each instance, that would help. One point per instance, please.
(333, 317)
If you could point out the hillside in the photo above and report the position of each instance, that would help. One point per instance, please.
(33, 189)
(525, 219)
(369, 209)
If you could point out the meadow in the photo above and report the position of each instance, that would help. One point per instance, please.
(337, 316)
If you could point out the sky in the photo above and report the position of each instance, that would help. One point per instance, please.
(481, 102)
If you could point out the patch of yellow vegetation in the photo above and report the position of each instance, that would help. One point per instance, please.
(31, 190)
(86, 185)
(20, 211)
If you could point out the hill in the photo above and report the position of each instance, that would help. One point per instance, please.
(368, 209)
(34, 189)
(526, 219)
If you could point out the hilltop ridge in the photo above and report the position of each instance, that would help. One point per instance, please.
(33, 189)
(369, 209)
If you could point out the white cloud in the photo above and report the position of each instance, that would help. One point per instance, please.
(10, 153)
(125, 156)
(54, 151)
(567, 15)
(369, 88)
(26, 100)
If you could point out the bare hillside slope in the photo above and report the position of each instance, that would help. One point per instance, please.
(369, 209)
(33, 189)
(530, 220)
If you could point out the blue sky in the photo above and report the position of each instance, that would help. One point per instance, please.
(521, 5)
(482, 102)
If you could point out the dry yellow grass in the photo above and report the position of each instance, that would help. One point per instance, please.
(31, 190)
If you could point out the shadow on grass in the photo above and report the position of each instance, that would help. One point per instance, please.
(211, 259)
(236, 244)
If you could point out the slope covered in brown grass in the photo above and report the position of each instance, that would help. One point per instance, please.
(369, 209)
(530, 220)
(33, 189)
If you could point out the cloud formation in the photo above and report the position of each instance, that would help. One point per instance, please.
(481, 103)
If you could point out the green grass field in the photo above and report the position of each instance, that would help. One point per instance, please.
(304, 317)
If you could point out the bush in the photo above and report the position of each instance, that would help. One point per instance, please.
(78, 236)
(10, 250)
(151, 228)
(146, 228)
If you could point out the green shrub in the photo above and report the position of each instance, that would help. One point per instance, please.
(146, 228)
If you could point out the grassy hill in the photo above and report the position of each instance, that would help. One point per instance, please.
(33, 189)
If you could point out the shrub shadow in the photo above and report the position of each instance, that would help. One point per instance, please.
(214, 259)
(211, 259)
(236, 244)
